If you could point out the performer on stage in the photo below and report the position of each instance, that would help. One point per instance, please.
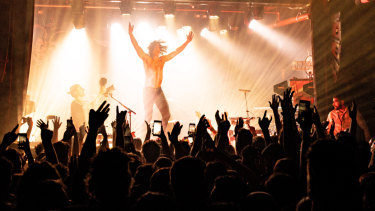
(153, 63)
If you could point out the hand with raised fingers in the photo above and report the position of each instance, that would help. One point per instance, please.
(286, 102)
(40, 124)
(173, 136)
(97, 118)
(274, 104)
(56, 123)
(9, 138)
(120, 117)
(190, 36)
(130, 28)
(353, 110)
(202, 126)
(264, 122)
(239, 125)
(224, 125)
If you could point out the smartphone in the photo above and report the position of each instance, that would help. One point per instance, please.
(156, 128)
(69, 123)
(191, 129)
(303, 106)
(22, 138)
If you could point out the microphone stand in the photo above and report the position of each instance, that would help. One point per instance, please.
(247, 109)
(130, 111)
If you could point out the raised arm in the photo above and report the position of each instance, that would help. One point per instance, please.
(138, 49)
(171, 55)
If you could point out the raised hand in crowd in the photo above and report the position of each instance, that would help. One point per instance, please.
(120, 121)
(8, 139)
(30, 125)
(274, 105)
(222, 140)
(148, 131)
(96, 119)
(46, 136)
(201, 132)
(264, 124)
(291, 137)
(239, 125)
(56, 125)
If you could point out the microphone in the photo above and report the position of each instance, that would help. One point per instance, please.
(244, 90)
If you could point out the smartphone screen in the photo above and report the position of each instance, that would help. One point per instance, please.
(22, 138)
(191, 128)
(69, 123)
(303, 105)
(156, 128)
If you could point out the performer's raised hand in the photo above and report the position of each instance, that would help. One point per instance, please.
(131, 28)
(190, 36)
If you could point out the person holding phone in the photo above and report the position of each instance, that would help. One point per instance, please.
(153, 63)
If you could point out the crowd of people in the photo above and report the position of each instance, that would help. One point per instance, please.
(301, 167)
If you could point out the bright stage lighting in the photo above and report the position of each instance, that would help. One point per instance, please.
(70, 63)
(275, 38)
(204, 32)
(223, 32)
(254, 24)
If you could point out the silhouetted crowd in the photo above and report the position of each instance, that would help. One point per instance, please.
(300, 167)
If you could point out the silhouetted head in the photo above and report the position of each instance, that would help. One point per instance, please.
(271, 154)
(5, 177)
(137, 144)
(229, 189)
(162, 162)
(251, 157)
(156, 48)
(286, 166)
(14, 157)
(110, 177)
(29, 194)
(187, 180)
(143, 175)
(260, 201)
(284, 190)
(243, 138)
(159, 181)
(150, 151)
(155, 201)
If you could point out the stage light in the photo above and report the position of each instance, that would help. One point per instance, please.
(126, 7)
(223, 32)
(78, 13)
(254, 24)
(213, 11)
(204, 32)
(169, 9)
